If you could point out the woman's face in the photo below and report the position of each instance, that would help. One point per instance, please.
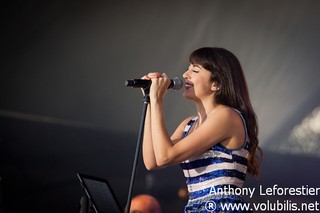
(198, 82)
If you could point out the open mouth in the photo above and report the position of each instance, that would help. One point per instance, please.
(188, 85)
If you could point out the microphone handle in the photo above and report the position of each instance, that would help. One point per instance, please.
(139, 83)
(175, 83)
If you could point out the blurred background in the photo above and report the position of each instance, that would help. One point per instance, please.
(64, 107)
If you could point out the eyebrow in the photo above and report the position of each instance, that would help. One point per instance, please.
(197, 65)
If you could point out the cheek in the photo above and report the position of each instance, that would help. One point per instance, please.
(200, 91)
(203, 87)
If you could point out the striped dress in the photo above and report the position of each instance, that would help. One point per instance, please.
(210, 174)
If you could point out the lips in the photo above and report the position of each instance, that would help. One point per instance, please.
(188, 84)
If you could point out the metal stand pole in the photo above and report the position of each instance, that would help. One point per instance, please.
(146, 101)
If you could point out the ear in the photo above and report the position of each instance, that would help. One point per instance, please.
(215, 87)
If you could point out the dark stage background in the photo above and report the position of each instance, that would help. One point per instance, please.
(64, 107)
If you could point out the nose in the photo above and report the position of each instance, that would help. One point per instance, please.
(186, 74)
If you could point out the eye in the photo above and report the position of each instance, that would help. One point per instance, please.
(195, 68)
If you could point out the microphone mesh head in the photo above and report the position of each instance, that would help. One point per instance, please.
(177, 83)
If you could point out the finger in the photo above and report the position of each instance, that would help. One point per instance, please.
(154, 75)
(164, 75)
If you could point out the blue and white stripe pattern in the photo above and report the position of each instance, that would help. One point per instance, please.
(217, 168)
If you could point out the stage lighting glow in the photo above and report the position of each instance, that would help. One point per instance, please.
(305, 137)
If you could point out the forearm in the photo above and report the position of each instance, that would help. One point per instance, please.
(147, 146)
(162, 143)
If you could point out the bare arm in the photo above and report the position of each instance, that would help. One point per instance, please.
(147, 146)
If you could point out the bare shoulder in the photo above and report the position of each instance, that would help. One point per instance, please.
(225, 113)
(225, 117)
(233, 115)
(231, 123)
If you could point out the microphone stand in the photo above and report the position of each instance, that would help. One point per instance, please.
(146, 101)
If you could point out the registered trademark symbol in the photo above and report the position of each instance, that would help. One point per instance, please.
(210, 206)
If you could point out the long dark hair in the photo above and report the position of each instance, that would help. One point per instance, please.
(233, 91)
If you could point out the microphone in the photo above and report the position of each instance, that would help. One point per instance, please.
(176, 83)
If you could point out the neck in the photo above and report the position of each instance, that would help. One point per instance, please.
(204, 109)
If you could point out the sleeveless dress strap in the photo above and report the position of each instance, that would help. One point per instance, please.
(244, 126)
(189, 125)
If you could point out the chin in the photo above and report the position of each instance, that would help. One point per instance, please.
(188, 96)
